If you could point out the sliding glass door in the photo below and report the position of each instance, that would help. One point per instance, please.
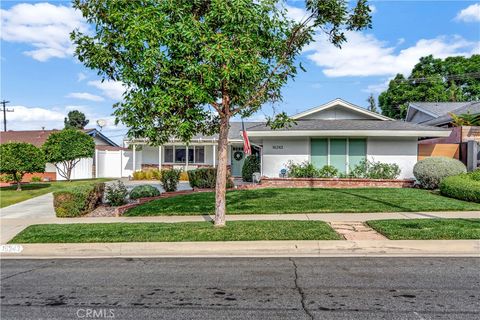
(342, 153)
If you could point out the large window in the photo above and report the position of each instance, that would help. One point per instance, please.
(342, 153)
(178, 154)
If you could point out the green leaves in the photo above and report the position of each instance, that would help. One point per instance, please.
(18, 158)
(68, 145)
(452, 79)
(181, 59)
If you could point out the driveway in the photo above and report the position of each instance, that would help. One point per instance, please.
(34, 208)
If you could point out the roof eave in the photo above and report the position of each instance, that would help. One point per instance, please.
(351, 133)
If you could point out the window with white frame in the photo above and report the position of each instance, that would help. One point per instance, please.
(178, 154)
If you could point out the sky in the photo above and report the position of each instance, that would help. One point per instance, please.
(43, 80)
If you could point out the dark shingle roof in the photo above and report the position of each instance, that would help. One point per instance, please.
(333, 125)
(439, 108)
(234, 132)
(471, 107)
(38, 137)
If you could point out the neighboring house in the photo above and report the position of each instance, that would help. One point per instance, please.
(85, 169)
(337, 133)
(438, 113)
(463, 142)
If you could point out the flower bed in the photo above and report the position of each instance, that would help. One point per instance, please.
(334, 183)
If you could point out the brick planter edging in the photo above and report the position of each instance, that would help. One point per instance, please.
(335, 183)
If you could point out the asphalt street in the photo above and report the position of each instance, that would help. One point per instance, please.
(241, 288)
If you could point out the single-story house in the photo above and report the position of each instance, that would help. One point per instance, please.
(337, 133)
(85, 169)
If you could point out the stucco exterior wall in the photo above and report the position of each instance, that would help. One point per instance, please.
(402, 151)
(337, 112)
(277, 152)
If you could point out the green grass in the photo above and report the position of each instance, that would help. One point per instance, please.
(264, 201)
(9, 195)
(184, 231)
(428, 229)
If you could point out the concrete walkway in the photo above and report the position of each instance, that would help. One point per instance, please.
(329, 248)
(40, 207)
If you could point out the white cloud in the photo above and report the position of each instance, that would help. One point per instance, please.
(43, 26)
(85, 96)
(111, 89)
(81, 76)
(365, 55)
(294, 13)
(469, 14)
(378, 87)
(28, 118)
(373, 9)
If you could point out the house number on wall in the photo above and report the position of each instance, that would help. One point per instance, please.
(277, 147)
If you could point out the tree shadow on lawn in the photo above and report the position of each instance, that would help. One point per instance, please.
(353, 194)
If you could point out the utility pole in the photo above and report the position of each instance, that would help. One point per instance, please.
(5, 110)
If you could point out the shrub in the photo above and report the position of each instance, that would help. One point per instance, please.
(463, 187)
(369, 169)
(170, 179)
(78, 200)
(36, 179)
(302, 170)
(6, 177)
(328, 172)
(116, 194)
(205, 178)
(149, 174)
(475, 175)
(138, 175)
(431, 171)
(250, 166)
(144, 191)
(183, 176)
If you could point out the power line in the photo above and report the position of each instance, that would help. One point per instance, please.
(5, 110)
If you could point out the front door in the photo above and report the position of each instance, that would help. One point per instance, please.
(238, 158)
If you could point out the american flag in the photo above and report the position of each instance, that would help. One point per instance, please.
(246, 143)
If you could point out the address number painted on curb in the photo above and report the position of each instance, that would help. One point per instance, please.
(11, 248)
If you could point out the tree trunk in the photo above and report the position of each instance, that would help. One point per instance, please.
(19, 181)
(221, 184)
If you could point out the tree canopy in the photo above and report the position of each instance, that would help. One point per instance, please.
(75, 120)
(433, 80)
(190, 65)
(66, 148)
(18, 158)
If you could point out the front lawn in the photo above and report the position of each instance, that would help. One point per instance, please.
(10, 195)
(428, 229)
(184, 231)
(264, 201)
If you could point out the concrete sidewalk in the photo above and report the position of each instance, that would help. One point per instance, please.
(332, 248)
(40, 207)
(9, 227)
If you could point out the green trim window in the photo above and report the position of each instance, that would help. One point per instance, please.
(342, 153)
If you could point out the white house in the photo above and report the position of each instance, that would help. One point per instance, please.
(337, 133)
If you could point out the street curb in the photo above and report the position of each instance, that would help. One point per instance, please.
(324, 248)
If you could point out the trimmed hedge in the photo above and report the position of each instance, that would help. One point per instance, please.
(170, 179)
(77, 201)
(205, 178)
(144, 191)
(431, 171)
(250, 166)
(463, 187)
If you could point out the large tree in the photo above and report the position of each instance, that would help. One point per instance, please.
(189, 66)
(18, 158)
(433, 80)
(75, 120)
(66, 148)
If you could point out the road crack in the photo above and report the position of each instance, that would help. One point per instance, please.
(300, 290)
(26, 271)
